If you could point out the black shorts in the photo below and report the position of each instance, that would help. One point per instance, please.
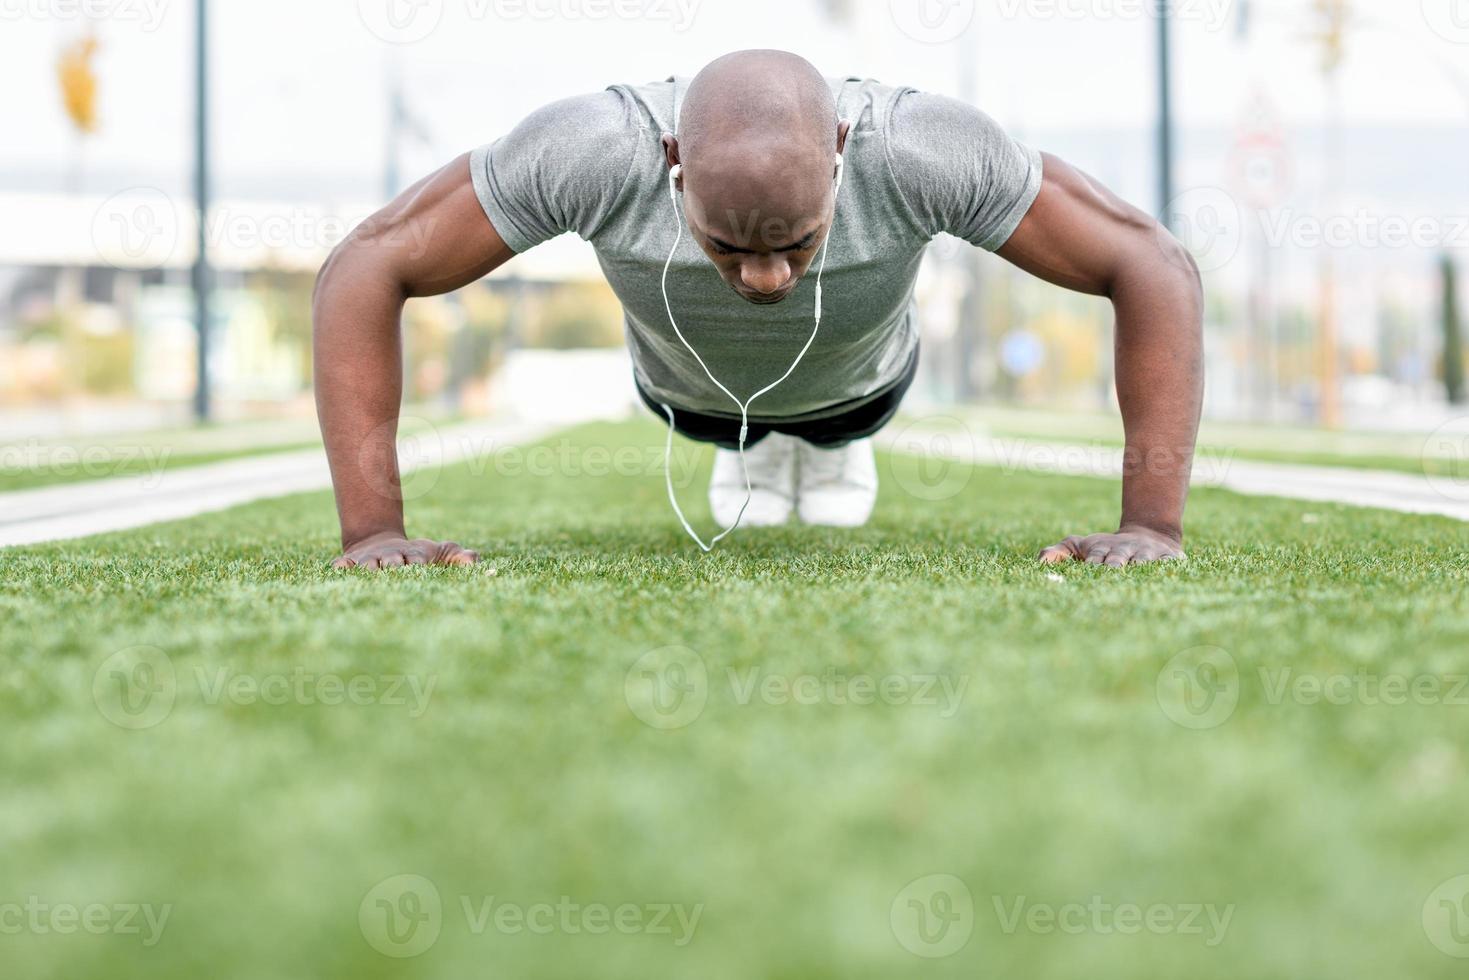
(862, 420)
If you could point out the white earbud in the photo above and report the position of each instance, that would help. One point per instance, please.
(674, 174)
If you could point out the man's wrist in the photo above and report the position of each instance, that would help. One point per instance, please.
(1170, 530)
(359, 536)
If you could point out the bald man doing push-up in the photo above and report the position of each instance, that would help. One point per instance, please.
(757, 223)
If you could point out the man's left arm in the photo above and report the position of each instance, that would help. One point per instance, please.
(1081, 236)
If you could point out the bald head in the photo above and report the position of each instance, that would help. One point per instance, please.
(757, 100)
(758, 139)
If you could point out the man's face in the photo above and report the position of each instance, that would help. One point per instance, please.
(760, 251)
(761, 212)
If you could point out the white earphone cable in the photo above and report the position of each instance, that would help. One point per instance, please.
(744, 406)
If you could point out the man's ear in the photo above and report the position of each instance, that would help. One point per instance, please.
(670, 150)
(843, 128)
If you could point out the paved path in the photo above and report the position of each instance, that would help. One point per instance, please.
(1406, 492)
(75, 510)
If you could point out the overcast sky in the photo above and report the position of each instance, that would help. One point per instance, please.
(300, 85)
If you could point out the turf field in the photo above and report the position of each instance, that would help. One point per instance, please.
(907, 751)
(41, 463)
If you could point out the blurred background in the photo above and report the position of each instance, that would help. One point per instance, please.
(1312, 153)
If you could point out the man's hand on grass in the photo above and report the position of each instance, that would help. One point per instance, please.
(392, 550)
(1129, 546)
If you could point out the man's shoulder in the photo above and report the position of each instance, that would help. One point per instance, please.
(591, 115)
(866, 103)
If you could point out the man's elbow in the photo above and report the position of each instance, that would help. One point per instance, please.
(357, 267)
(1180, 263)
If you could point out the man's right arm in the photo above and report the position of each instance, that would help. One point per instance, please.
(434, 238)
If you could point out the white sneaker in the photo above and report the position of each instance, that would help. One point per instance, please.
(772, 465)
(837, 487)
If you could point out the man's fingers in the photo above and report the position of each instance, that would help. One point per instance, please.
(1120, 556)
(397, 554)
(1152, 554)
(420, 551)
(450, 553)
(1097, 553)
(1068, 550)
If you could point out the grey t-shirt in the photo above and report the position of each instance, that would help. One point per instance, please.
(916, 164)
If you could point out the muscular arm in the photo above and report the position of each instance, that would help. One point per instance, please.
(432, 239)
(1081, 236)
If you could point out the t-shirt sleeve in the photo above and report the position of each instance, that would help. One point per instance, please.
(958, 171)
(562, 169)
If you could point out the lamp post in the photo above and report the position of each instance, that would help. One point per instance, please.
(202, 276)
(1165, 112)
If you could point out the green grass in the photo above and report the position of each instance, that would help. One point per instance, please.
(99, 464)
(1056, 777)
(37, 464)
(1398, 452)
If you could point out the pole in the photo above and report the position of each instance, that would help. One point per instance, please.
(202, 276)
(1335, 16)
(1165, 112)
